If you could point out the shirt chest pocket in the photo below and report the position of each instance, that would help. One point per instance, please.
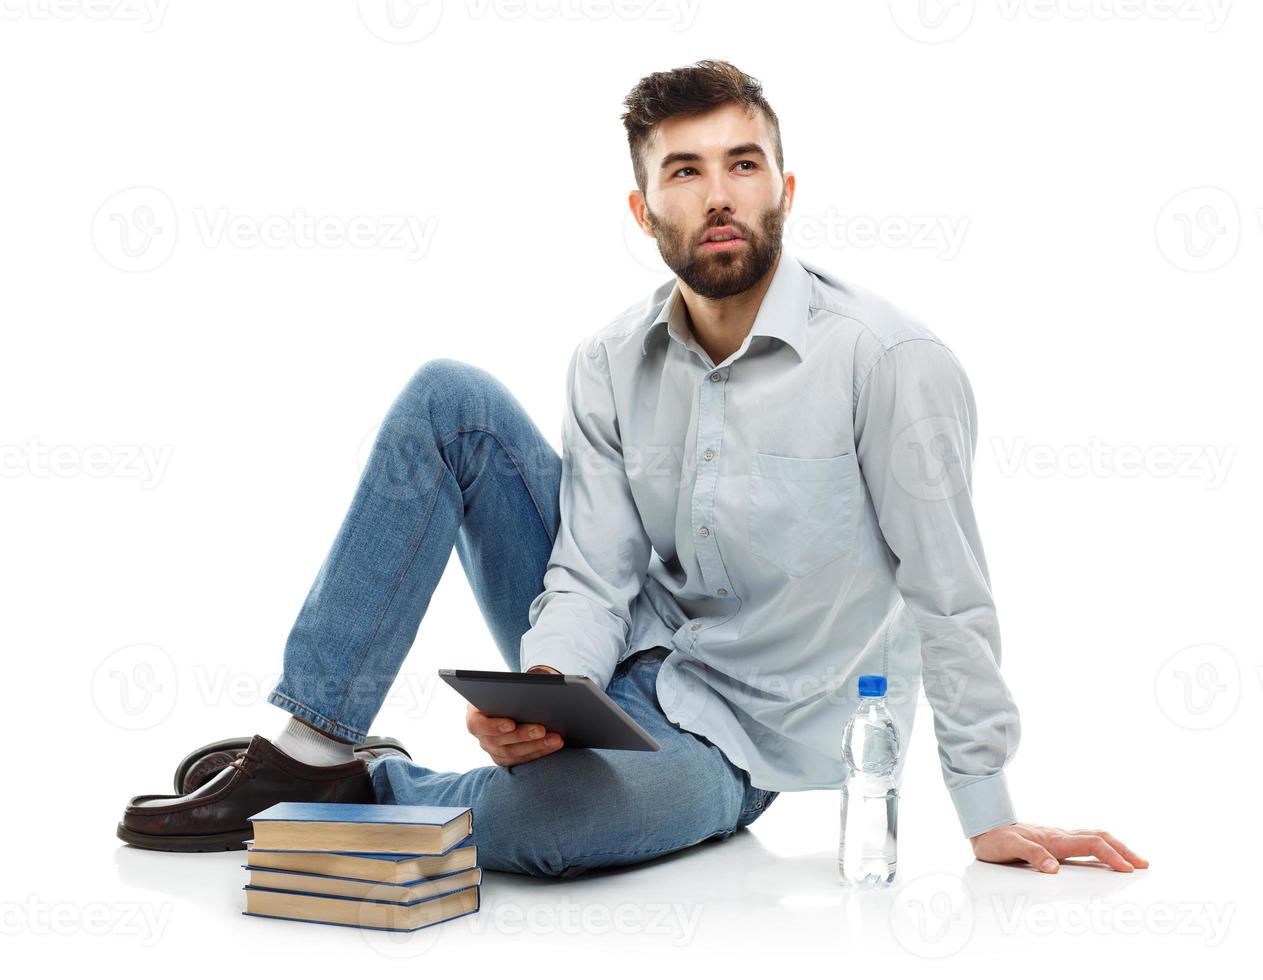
(800, 510)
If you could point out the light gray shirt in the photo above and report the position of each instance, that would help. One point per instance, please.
(783, 521)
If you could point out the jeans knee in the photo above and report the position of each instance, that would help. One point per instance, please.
(451, 394)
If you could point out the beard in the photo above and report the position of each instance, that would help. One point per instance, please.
(717, 275)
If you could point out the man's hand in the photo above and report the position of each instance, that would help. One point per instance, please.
(1045, 847)
(508, 743)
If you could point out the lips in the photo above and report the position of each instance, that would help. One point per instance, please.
(711, 244)
(723, 231)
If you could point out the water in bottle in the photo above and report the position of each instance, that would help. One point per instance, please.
(870, 798)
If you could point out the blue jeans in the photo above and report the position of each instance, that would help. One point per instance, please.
(458, 462)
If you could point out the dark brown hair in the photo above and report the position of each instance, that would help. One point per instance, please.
(696, 88)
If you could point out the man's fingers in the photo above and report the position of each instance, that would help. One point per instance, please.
(522, 733)
(1036, 855)
(483, 725)
(513, 755)
(1075, 845)
(1135, 859)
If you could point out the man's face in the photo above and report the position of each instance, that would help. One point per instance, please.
(696, 183)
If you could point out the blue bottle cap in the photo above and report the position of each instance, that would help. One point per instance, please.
(872, 685)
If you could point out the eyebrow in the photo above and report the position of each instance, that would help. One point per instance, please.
(745, 149)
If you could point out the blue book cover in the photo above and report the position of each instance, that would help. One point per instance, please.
(313, 878)
(475, 889)
(370, 855)
(382, 813)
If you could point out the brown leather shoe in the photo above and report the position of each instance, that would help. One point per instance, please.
(202, 763)
(216, 816)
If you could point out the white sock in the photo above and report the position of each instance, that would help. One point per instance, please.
(301, 742)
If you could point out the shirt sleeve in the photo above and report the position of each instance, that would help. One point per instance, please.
(916, 433)
(581, 621)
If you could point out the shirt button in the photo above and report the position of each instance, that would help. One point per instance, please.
(704, 532)
(708, 455)
(714, 376)
(723, 591)
(696, 626)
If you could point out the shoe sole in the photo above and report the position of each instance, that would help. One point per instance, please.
(240, 744)
(234, 840)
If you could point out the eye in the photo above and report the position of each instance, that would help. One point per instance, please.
(753, 165)
(681, 170)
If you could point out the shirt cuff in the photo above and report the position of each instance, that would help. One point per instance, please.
(983, 804)
(566, 661)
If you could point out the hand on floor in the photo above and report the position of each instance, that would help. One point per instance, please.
(1045, 847)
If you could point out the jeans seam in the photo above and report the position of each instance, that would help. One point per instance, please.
(664, 849)
(512, 457)
(284, 701)
(413, 547)
(415, 544)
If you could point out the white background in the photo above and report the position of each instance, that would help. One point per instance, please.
(1068, 193)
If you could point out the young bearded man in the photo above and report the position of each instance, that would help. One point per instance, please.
(764, 492)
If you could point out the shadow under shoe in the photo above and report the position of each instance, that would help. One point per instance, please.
(216, 816)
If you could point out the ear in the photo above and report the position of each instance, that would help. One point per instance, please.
(639, 206)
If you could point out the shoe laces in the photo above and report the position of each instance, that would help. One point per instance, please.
(241, 763)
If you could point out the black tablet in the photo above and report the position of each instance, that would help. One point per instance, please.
(568, 704)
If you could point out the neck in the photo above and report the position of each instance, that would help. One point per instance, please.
(721, 325)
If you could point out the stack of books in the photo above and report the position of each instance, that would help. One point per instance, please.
(373, 865)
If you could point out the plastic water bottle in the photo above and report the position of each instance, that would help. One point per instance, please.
(870, 798)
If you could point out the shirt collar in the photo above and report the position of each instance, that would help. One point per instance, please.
(782, 314)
